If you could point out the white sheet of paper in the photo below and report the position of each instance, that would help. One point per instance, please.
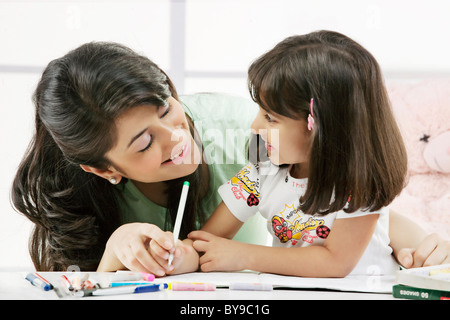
(373, 283)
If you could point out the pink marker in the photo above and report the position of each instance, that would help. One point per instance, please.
(122, 275)
(148, 276)
(192, 286)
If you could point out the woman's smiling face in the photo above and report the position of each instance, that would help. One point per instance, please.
(153, 144)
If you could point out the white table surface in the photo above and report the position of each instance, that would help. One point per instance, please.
(14, 286)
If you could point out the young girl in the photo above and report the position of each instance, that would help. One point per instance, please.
(336, 162)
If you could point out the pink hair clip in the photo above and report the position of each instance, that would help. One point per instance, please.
(311, 115)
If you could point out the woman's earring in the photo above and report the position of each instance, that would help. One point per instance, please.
(113, 180)
(311, 116)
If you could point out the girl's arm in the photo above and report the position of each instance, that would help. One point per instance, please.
(403, 232)
(412, 246)
(222, 223)
(336, 258)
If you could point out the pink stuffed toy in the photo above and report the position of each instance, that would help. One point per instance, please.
(423, 113)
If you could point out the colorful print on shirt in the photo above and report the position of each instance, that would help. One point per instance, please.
(289, 225)
(242, 184)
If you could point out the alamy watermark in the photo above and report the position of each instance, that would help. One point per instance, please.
(229, 146)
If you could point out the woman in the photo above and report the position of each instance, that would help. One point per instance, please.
(112, 147)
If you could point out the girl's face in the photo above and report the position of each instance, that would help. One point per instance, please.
(286, 139)
(154, 144)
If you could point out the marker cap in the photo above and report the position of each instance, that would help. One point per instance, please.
(251, 286)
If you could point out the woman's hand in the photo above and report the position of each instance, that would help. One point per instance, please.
(127, 248)
(433, 250)
(220, 254)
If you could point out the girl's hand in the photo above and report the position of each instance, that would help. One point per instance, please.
(127, 249)
(433, 250)
(185, 258)
(220, 254)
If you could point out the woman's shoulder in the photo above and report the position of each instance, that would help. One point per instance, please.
(215, 105)
(134, 206)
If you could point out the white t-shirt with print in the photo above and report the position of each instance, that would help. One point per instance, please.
(271, 190)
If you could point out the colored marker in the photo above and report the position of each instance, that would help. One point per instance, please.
(88, 284)
(67, 283)
(122, 290)
(42, 278)
(129, 283)
(76, 282)
(122, 275)
(179, 218)
(151, 288)
(192, 286)
(147, 276)
(251, 286)
(38, 281)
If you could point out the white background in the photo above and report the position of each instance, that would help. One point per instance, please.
(203, 45)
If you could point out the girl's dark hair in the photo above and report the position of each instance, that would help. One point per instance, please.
(77, 100)
(356, 145)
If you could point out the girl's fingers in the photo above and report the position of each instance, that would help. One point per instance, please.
(424, 250)
(200, 246)
(207, 267)
(438, 256)
(405, 257)
(432, 251)
(200, 235)
(440, 253)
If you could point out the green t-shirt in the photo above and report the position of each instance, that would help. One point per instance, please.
(223, 124)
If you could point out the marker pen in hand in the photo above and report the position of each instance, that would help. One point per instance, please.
(179, 218)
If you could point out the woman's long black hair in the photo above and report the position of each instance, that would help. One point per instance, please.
(77, 100)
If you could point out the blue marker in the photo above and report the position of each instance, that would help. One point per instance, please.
(38, 282)
(151, 288)
(122, 290)
(131, 283)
